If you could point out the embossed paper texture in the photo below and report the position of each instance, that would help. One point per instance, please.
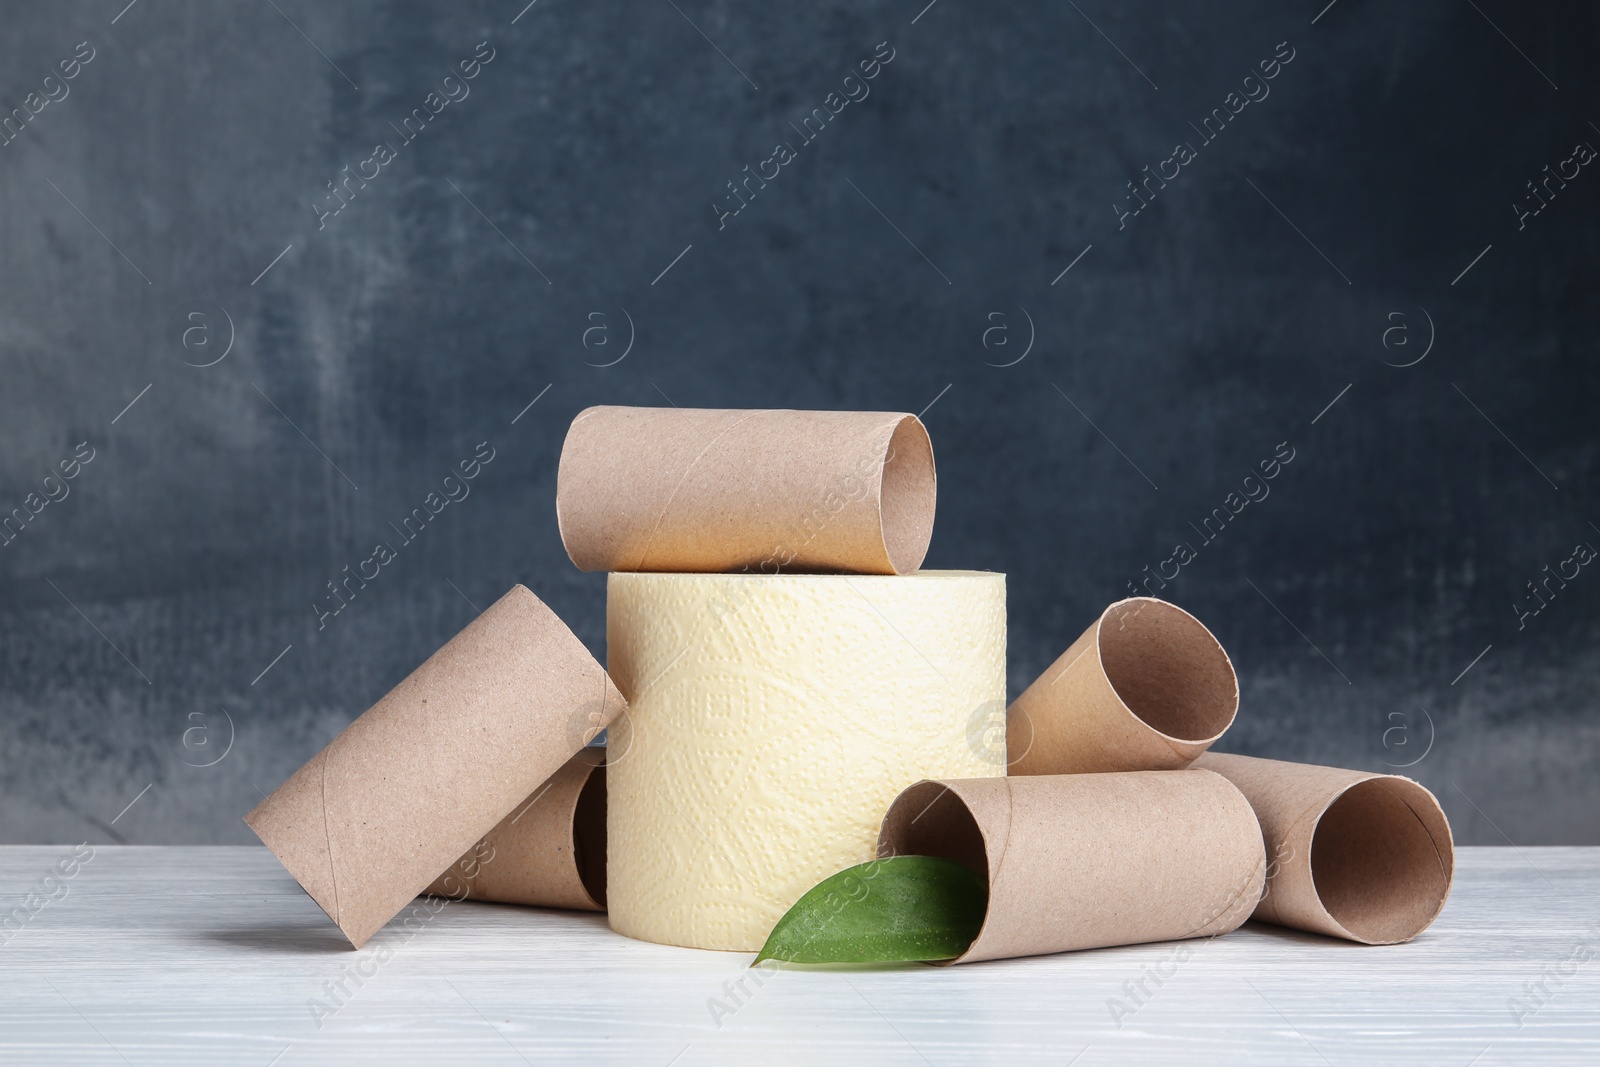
(771, 721)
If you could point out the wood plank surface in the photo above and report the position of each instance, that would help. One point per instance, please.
(214, 956)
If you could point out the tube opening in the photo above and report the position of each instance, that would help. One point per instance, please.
(1381, 860)
(927, 819)
(907, 493)
(589, 835)
(1168, 669)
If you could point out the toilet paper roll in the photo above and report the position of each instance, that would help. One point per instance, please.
(1145, 688)
(692, 489)
(550, 852)
(1079, 861)
(1366, 857)
(772, 719)
(408, 787)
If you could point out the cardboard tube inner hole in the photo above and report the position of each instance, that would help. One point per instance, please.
(907, 493)
(1381, 859)
(929, 820)
(1168, 669)
(589, 835)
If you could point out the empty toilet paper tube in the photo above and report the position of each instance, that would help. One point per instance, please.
(550, 852)
(424, 773)
(689, 489)
(1145, 688)
(1081, 861)
(1362, 856)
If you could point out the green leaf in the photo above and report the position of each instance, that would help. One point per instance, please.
(895, 910)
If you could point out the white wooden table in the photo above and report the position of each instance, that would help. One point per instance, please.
(214, 956)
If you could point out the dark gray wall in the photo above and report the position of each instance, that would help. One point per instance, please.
(457, 286)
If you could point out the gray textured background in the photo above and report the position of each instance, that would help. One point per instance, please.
(458, 285)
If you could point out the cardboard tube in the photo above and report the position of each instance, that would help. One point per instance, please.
(433, 766)
(1145, 688)
(1089, 860)
(694, 489)
(1366, 857)
(549, 852)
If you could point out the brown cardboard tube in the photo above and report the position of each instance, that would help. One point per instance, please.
(1145, 688)
(549, 852)
(1366, 857)
(431, 768)
(695, 489)
(1089, 860)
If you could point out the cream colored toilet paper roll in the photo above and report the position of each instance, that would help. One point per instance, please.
(771, 721)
